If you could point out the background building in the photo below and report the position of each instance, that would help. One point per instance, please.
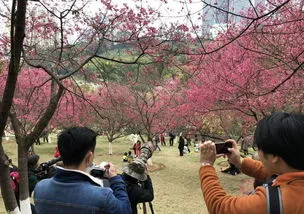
(218, 15)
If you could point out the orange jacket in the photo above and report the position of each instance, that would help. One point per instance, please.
(218, 202)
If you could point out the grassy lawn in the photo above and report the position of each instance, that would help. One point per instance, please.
(176, 184)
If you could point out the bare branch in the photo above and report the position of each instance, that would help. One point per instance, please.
(285, 80)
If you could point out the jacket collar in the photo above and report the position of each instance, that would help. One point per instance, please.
(289, 177)
(63, 174)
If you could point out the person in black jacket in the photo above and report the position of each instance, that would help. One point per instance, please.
(171, 138)
(139, 188)
(32, 163)
(181, 144)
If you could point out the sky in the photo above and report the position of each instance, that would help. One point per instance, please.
(171, 12)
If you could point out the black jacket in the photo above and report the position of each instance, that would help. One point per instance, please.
(181, 143)
(139, 192)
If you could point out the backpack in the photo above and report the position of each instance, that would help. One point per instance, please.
(15, 180)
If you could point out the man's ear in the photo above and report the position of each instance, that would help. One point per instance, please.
(89, 158)
(274, 159)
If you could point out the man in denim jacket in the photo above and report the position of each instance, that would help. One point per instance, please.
(72, 189)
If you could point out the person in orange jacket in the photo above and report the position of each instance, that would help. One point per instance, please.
(280, 141)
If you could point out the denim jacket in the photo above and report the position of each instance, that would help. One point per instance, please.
(75, 192)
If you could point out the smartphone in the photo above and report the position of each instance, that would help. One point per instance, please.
(222, 148)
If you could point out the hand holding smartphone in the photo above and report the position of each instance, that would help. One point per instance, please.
(222, 147)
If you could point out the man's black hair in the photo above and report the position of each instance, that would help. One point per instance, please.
(74, 143)
(282, 134)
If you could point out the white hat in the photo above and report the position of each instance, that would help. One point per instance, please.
(136, 170)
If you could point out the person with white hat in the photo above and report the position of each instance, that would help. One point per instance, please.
(139, 185)
(138, 182)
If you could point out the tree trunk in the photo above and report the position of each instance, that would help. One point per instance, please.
(24, 143)
(17, 37)
(110, 148)
(142, 139)
(49, 138)
(24, 199)
(32, 148)
(5, 182)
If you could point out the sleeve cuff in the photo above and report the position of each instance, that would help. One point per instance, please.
(116, 178)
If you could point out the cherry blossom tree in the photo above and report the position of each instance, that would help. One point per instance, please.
(60, 39)
(151, 102)
(259, 73)
(109, 118)
(252, 67)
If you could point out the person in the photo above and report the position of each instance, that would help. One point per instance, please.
(57, 153)
(257, 183)
(15, 177)
(171, 138)
(73, 189)
(280, 141)
(136, 148)
(130, 157)
(188, 140)
(196, 143)
(162, 139)
(45, 137)
(195, 138)
(196, 147)
(139, 186)
(187, 144)
(186, 149)
(125, 157)
(232, 169)
(133, 140)
(246, 142)
(12, 167)
(181, 145)
(32, 164)
(157, 141)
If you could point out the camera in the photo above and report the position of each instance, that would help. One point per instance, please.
(137, 168)
(222, 148)
(99, 173)
(46, 169)
(48, 164)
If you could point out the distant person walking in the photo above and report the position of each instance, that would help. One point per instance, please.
(246, 142)
(181, 145)
(162, 139)
(157, 141)
(171, 138)
(188, 140)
